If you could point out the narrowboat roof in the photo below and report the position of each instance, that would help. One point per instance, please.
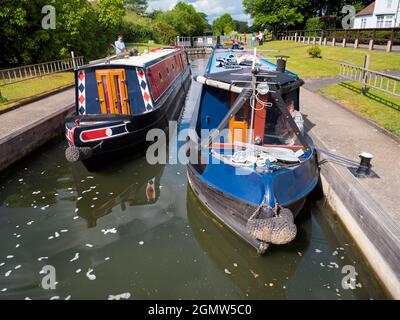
(138, 61)
(242, 77)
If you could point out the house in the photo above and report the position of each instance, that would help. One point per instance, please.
(379, 14)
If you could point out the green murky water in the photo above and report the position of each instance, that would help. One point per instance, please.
(138, 229)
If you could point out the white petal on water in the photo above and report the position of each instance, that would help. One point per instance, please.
(17, 226)
(10, 256)
(318, 251)
(78, 270)
(227, 271)
(107, 258)
(17, 245)
(30, 223)
(27, 298)
(321, 264)
(92, 206)
(36, 192)
(95, 198)
(4, 290)
(90, 275)
(55, 298)
(105, 231)
(79, 198)
(42, 258)
(64, 230)
(334, 264)
(68, 297)
(335, 253)
(50, 238)
(17, 267)
(125, 295)
(7, 273)
(56, 234)
(76, 257)
(141, 243)
(2, 264)
(89, 245)
(76, 217)
(76, 210)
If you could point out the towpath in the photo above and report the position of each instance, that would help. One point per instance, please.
(25, 128)
(373, 202)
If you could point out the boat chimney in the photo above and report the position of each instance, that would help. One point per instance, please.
(281, 63)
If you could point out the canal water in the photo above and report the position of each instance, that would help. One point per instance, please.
(137, 230)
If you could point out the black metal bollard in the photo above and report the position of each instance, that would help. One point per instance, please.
(364, 168)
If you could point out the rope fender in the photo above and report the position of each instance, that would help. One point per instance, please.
(276, 229)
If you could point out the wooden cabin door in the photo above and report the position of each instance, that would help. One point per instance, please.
(113, 91)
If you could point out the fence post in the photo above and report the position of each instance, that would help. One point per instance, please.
(390, 41)
(333, 41)
(367, 59)
(372, 41)
(73, 59)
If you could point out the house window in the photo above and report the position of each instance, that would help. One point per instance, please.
(363, 23)
(379, 21)
(389, 21)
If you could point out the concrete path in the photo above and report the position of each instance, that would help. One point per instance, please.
(24, 129)
(348, 135)
(369, 207)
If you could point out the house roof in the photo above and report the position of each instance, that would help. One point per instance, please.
(368, 10)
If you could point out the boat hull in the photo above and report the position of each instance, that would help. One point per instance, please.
(233, 212)
(124, 134)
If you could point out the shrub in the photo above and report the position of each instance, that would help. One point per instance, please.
(314, 52)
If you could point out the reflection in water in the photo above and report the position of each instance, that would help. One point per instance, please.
(253, 274)
(132, 185)
(163, 244)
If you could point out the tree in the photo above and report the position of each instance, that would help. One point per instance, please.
(241, 26)
(275, 15)
(137, 6)
(110, 12)
(223, 25)
(184, 19)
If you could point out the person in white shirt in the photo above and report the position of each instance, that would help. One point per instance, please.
(283, 130)
(119, 45)
(260, 38)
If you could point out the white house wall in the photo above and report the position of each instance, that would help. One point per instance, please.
(382, 7)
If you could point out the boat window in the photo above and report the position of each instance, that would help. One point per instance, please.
(118, 98)
(173, 67)
(167, 71)
(113, 91)
(160, 76)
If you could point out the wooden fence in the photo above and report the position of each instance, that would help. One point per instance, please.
(388, 37)
(13, 75)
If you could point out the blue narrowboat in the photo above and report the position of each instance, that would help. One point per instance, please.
(251, 164)
(118, 100)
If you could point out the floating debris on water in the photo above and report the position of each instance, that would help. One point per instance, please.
(43, 258)
(105, 231)
(89, 275)
(318, 251)
(30, 223)
(335, 253)
(125, 295)
(76, 257)
(227, 271)
(89, 245)
(78, 270)
(17, 267)
(55, 298)
(107, 258)
(7, 273)
(10, 256)
(141, 243)
(255, 275)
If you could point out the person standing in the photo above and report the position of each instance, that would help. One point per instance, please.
(119, 45)
(284, 130)
(245, 37)
(253, 40)
(260, 38)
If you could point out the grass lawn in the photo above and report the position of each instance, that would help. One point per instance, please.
(17, 92)
(327, 66)
(381, 108)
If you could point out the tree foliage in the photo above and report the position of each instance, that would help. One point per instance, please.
(277, 15)
(184, 19)
(224, 25)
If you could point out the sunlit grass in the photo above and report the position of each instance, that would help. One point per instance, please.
(381, 108)
(17, 92)
(327, 66)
